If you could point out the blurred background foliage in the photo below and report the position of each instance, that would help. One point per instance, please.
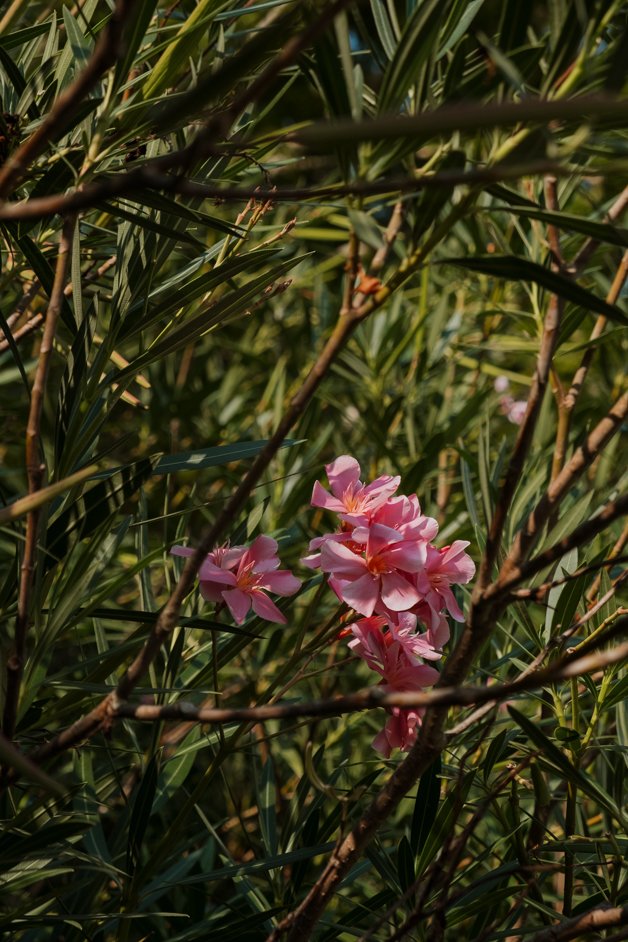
(187, 325)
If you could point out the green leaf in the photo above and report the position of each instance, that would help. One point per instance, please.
(211, 457)
(267, 798)
(140, 812)
(559, 760)
(600, 231)
(405, 863)
(184, 45)
(425, 806)
(233, 304)
(512, 268)
(414, 50)
(95, 507)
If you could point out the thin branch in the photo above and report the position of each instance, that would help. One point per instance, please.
(583, 456)
(375, 698)
(616, 550)
(106, 52)
(392, 231)
(35, 472)
(523, 443)
(567, 402)
(150, 176)
(587, 250)
(553, 234)
(596, 920)
(538, 593)
(582, 534)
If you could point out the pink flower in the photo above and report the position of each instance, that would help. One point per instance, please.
(399, 732)
(364, 582)
(393, 655)
(240, 577)
(415, 644)
(404, 515)
(515, 410)
(349, 497)
(444, 567)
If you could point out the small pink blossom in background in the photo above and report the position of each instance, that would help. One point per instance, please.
(241, 576)
(513, 409)
(382, 563)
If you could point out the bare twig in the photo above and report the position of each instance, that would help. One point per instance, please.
(616, 550)
(571, 665)
(152, 177)
(596, 920)
(35, 471)
(616, 210)
(553, 235)
(540, 591)
(522, 443)
(580, 460)
(567, 402)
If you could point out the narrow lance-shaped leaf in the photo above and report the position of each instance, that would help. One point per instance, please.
(512, 268)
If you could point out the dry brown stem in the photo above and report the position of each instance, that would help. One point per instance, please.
(596, 920)
(35, 472)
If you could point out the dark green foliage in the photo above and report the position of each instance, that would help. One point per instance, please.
(189, 321)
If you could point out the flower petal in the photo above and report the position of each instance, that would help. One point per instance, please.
(339, 559)
(239, 603)
(266, 608)
(361, 595)
(397, 593)
(281, 582)
(182, 551)
(342, 474)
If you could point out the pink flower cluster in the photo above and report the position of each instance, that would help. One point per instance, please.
(381, 561)
(240, 577)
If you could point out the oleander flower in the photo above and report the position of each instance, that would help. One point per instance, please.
(242, 576)
(365, 581)
(444, 568)
(349, 497)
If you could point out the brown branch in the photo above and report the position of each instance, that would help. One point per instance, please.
(616, 210)
(463, 117)
(616, 550)
(522, 445)
(392, 231)
(24, 331)
(540, 591)
(553, 235)
(106, 52)
(567, 402)
(529, 535)
(376, 698)
(151, 176)
(35, 472)
(596, 920)
(582, 534)
(37, 320)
